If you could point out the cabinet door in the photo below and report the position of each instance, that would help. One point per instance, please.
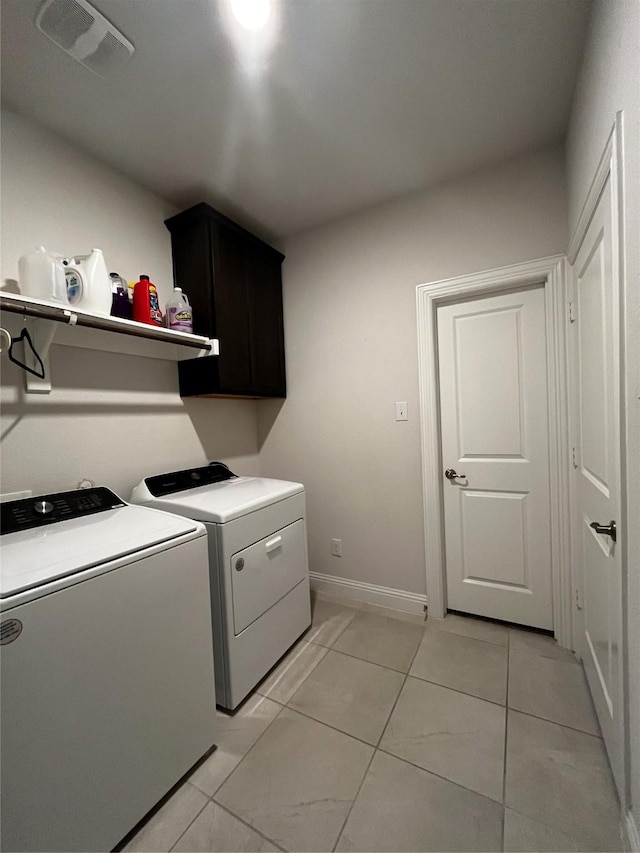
(231, 310)
(264, 288)
(234, 283)
(192, 271)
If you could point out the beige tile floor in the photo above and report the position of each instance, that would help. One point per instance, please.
(378, 731)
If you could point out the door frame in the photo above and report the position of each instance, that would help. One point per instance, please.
(550, 273)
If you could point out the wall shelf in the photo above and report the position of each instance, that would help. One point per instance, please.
(69, 326)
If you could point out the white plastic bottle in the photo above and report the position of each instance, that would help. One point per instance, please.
(41, 275)
(88, 282)
(179, 314)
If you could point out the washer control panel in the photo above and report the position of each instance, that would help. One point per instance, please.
(47, 509)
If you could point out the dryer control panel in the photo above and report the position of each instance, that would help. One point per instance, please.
(191, 478)
(48, 509)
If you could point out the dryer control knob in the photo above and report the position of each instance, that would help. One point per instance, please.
(239, 564)
(43, 507)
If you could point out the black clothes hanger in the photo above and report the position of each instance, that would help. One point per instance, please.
(25, 336)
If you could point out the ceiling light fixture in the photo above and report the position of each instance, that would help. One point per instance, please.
(251, 14)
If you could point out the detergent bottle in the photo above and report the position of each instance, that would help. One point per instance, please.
(146, 308)
(88, 283)
(179, 314)
(120, 305)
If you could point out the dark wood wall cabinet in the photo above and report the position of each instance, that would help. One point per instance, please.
(234, 283)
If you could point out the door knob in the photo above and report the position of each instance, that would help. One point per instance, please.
(450, 474)
(608, 529)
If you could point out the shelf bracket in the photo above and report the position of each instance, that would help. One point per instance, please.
(42, 334)
(214, 348)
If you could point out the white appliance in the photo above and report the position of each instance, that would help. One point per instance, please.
(260, 598)
(107, 667)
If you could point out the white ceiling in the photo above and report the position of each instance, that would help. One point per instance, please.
(345, 103)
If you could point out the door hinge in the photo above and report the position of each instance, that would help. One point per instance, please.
(578, 600)
(574, 457)
(572, 312)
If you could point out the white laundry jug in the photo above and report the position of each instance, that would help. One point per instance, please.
(179, 314)
(88, 283)
(42, 276)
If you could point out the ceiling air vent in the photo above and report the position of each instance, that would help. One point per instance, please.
(85, 34)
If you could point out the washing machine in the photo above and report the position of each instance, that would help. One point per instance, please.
(108, 694)
(260, 598)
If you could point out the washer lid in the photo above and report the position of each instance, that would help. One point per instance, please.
(221, 502)
(34, 557)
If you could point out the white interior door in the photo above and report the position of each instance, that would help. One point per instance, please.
(494, 428)
(595, 336)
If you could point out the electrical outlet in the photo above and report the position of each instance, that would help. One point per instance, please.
(402, 412)
(336, 547)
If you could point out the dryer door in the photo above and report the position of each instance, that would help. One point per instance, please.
(265, 572)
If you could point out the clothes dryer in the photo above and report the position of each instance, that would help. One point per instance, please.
(260, 600)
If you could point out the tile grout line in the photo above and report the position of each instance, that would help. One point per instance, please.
(353, 801)
(437, 775)
(329, 726)
(309, 716)
(249, 826)
(548, 719)
(448, 631)
(256, 689)
(417, 766)
(355, 657)
(374, 610)
(503, 705)
(259, 738)
(556, 723)
(376, 748)
(506, 728)
(406, 676)
(336, 639)
(457, 690)
(191, 822)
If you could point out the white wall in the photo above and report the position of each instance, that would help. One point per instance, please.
(350, 326)
(112, 418)
(609, 82)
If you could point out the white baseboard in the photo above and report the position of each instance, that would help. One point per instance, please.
(633, 836)
(368, 593)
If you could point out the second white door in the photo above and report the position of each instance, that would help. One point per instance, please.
(597, 473)
(494, 428)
